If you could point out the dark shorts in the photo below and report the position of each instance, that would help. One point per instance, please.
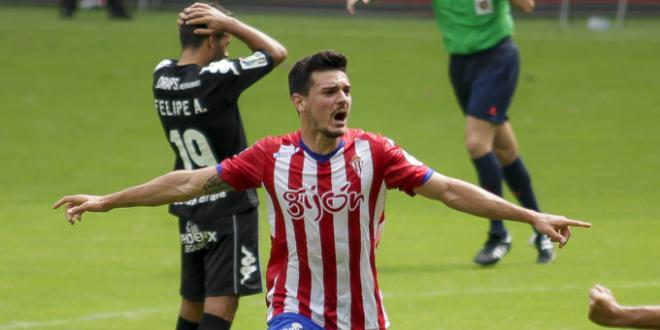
(484, 82)
(216, 261)
(291, 321)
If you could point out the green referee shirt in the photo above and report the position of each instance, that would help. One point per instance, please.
(469, 26)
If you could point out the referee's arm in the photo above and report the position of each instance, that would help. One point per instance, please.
(526, 6)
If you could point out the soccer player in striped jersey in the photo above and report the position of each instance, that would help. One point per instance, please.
(326, 188)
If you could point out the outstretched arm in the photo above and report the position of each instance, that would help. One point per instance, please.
(605, 311)
(468, 198)
(172, 187)
(217, 22)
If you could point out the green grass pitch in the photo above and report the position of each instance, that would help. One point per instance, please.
(78, 117)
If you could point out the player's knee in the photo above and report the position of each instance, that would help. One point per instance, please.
(191, 310)
(477, 148)
(224, 306)
(506, 156)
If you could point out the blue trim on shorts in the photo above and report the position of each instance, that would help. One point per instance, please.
(292, 321)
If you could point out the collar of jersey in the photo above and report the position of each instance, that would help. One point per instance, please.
(319, 157)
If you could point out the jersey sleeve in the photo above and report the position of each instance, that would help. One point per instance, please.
(245, 170)
(403, 171)
(233, 76)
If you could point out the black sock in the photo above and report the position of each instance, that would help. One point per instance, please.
(183, 324)
(212, 322)
(520, 183)
(490, 178)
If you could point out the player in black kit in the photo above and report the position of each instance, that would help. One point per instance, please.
(196, 101)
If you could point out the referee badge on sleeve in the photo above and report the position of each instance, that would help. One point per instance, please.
(483, 7)
(257, 60)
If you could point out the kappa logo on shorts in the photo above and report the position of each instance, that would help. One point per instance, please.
(194, 239)
(295, 326)
(248, 264)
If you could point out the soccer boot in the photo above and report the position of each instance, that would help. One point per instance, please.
(544, 247)
(494, 249)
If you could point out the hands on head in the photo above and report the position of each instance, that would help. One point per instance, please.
(76, 205)
(204, 14)
(557, 227)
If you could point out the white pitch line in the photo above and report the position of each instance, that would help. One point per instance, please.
(480, 291)
(474, 291)
(88, 318)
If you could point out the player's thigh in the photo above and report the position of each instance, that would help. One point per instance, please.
(192, 264)
(223, 306)
(461, 74)
(493, 88)
(191, 310)
(505, 144)
(232, 262)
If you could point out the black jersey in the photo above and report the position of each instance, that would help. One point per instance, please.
(199, 113)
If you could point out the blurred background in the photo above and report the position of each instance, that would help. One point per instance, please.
(77, 116)
(545, 8)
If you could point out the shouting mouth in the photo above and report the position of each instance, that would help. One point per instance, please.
(339, 117)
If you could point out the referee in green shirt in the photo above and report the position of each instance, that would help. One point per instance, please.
(483, 69)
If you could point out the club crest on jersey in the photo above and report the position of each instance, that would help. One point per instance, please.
(356, 163)
(302, 200)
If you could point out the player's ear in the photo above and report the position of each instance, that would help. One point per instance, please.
(298, 102)
(212, 41)
(226, 38)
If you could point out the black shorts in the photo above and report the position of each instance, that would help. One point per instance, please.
(220, 256)
(484, 82)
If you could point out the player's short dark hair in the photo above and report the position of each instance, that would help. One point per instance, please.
(301, 72)
(187, 36)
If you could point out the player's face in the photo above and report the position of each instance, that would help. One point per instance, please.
(328, 103)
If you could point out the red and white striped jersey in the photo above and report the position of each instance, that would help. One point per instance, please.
(325, 214)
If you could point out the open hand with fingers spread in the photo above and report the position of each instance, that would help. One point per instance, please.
(557, 227)
(76, 205)
(203, 14)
